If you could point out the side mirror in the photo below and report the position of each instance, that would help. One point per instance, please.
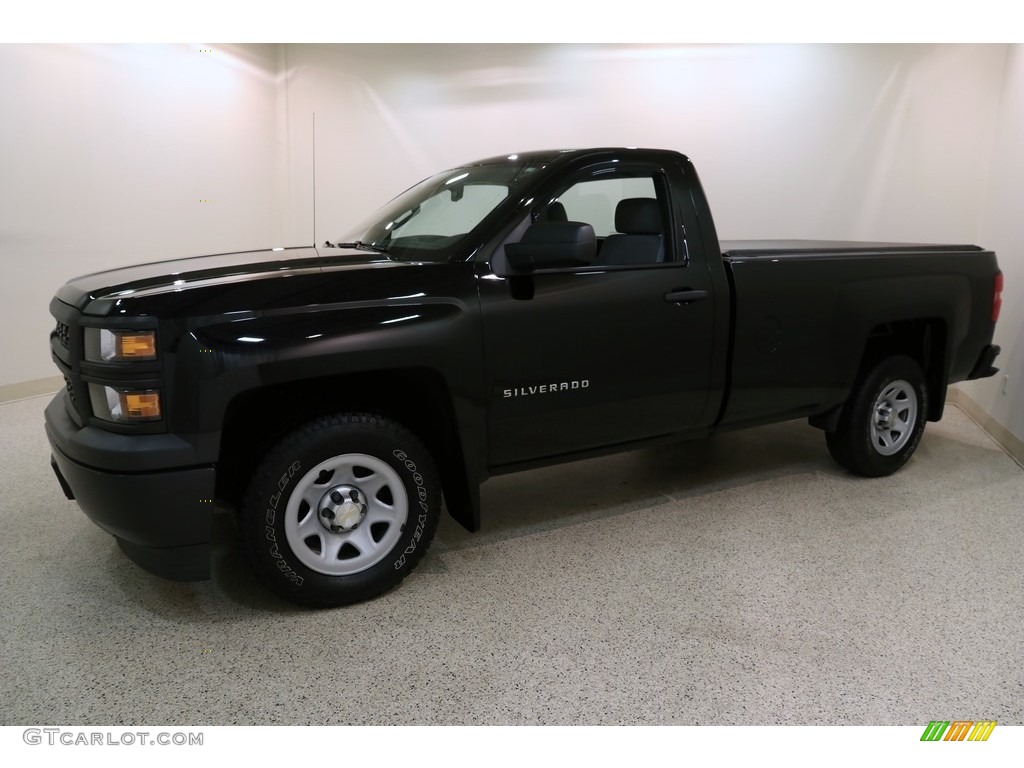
(553, 244)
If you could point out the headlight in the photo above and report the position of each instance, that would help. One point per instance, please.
(106, 346)
(124, 405)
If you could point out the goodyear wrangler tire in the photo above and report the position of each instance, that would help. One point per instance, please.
(884, 419)
(341, 510)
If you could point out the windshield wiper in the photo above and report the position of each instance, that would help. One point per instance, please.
(359, 245)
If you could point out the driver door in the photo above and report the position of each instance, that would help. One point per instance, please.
(583, 358)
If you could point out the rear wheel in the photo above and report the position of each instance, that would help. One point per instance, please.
(883, 420)
(341, 510)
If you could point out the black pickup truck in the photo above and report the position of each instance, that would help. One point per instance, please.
(509, 313)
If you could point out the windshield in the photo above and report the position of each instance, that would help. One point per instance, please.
(432, 220)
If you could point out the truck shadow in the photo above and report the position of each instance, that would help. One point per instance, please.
(569, 494)
(953, 452)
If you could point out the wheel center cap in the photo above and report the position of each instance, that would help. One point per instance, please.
(342, 508)
(884, 414)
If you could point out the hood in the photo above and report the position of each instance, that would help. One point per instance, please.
(97, 292)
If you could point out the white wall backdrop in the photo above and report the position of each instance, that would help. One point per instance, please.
(862, 142)
(107, 151)
(1003, 230)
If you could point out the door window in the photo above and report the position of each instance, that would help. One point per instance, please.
(628, 211)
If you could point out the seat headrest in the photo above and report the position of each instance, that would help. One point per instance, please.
(638, 216)
(556, 212)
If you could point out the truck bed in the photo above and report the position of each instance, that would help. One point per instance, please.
(754, 248)
(803, 311)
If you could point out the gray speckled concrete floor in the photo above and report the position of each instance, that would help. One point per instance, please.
(739, 580)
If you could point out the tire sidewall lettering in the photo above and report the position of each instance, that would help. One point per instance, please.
(270, 518)
(422, 496)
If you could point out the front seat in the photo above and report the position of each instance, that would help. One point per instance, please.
(639, 238)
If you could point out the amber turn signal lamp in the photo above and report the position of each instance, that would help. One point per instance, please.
(140, 405)
(136, 346)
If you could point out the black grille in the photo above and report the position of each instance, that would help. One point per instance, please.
(71, 389)
(63, 332)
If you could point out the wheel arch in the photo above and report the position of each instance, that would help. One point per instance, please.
(925, 339)
(417, 398)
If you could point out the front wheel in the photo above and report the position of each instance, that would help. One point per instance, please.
(341, 510)
(883, 420)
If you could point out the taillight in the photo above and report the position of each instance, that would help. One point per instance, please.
(997, 296)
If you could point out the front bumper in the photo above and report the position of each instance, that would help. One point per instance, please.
(161, 516)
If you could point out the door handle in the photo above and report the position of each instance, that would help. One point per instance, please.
(685, 296)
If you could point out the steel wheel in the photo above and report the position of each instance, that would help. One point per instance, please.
(346, 514)
(895, 416)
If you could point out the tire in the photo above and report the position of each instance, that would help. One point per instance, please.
(883, 420)
(340, 510)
